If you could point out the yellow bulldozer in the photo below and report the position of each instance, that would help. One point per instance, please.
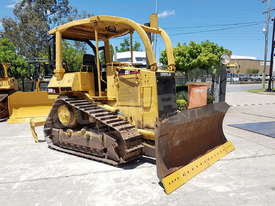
(118, 112)
(8, 86)
(22, 106)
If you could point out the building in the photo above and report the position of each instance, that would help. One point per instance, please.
(244, 65)
(139, 57)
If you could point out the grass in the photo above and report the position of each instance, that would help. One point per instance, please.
(257, 90)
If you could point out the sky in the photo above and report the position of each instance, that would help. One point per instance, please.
(236, 24)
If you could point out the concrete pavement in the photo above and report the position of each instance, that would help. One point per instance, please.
(241, 87)
(32, 174)
(243, 98)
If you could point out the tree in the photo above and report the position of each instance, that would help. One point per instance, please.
(196, 59)
(19, 67)
(253, 71)
(125, 46)
(72, 56)
(33, 18)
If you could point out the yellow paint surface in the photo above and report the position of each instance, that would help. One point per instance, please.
(25, 114)
(24, 106)
(181, 176)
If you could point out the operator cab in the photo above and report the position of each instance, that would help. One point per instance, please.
(98, 65)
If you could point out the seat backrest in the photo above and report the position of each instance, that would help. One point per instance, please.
(89, 61)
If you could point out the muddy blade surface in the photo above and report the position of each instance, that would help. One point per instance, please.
(3, 97)
(3, 107)
(187, 136)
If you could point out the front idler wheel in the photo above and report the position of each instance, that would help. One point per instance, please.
(67, 116)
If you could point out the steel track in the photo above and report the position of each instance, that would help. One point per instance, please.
(126, 136)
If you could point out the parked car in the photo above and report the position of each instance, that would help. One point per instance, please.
(267, 77)
(243, 77)
(256, 77)
(231, 77)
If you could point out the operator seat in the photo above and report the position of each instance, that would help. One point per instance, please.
(89, 63)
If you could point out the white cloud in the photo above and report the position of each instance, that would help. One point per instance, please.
(166, 13)
(12, 4)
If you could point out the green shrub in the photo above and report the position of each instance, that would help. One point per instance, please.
(182, 104)
(210, 99)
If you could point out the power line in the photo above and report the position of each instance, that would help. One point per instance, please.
(214, 25)
(233, 26)
(219, 29)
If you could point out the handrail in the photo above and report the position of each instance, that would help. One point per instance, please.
(169, 50)
(97, 64)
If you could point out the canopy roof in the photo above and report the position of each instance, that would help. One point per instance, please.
(107, 27)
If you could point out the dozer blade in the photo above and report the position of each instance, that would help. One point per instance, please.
(189, 142)
(24, 106)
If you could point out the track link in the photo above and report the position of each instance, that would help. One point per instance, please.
(124, 138)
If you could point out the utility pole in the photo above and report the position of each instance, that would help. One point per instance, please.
(269, 89)
(266, 33)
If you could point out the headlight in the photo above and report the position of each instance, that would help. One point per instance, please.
(53, 90)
